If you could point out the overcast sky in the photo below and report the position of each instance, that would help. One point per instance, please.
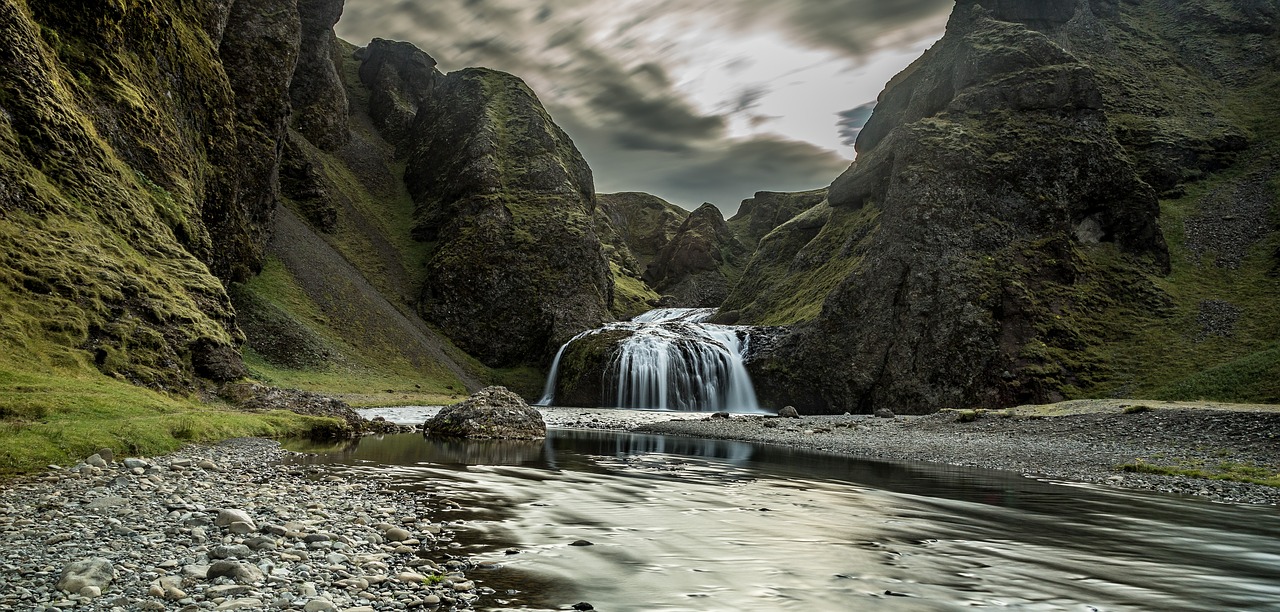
(692, 100)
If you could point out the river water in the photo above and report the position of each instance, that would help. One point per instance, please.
(686, 524)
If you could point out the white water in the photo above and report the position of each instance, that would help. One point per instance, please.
(672, 361)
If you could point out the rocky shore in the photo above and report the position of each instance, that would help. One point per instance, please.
(1088, 441)
(1120, 444)
(232, 526)
(224, 527)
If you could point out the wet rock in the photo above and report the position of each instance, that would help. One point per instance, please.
(581, 543)
(493, 412)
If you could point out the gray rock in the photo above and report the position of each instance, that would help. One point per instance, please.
(228, 516)
(77, 575)
(492, 412)
(106, 502)
(397, 534)
(789, 412)
(226, 590)
(884, 413)
(96, 460)
(244, 573)
(319, 605)
(235, 551)
(247, 603)
(134, 463)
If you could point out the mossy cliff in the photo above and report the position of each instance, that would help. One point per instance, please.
(633, 228)
(1000, 238)
(136, 175)
(698, 265)
(504, 203)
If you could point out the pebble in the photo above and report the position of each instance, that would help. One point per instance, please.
(130, 534)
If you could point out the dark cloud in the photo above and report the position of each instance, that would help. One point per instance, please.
(660, 114)
(855, 27)
(729, 175)
(851, 122)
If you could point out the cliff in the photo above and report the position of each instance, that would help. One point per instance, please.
(504, 202)
(1000, 238)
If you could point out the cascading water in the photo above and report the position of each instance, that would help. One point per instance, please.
(671, 360)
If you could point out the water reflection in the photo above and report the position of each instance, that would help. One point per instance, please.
(687, 524)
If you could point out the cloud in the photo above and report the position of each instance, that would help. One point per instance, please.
(693, 100)
(852, 121)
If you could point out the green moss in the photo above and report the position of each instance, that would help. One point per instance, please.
(800, 263)
(631, 296)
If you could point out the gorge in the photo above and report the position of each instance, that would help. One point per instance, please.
(198, 192)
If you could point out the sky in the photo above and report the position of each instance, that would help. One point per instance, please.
(691, 100)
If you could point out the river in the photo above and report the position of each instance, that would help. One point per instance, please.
(687, 524)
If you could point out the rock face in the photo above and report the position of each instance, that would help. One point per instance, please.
(133, 187)
(989, 182)
(633, 228)
(699, 264)
(492, 412)
(762, 213)
(505, 202)
(316, 92)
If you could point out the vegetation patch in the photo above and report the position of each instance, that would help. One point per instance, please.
(1233, 471)
(60, 417)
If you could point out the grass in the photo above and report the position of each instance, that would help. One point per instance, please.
(1227, 470)
(61, 416)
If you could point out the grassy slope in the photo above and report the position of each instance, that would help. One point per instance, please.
(1168, 355)
(798, 264)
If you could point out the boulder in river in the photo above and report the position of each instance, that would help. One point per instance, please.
(492, 412)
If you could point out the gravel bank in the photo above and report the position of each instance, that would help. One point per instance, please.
(1080, 441)
(1088, 447)
(221, 527)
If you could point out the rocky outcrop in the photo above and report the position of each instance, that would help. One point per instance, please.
(636, 226)
(504, 199)
(400, 78)
(259, 52)
(760, 214)
(988, 188)
(316, 92)
(492, 412)
(700, 263)
(127, 182)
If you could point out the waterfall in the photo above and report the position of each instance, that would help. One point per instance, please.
(671, 360)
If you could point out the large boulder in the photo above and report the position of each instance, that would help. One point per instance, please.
(492, 412)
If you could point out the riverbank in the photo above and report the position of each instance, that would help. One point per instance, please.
(222, 527)
(1223, 452)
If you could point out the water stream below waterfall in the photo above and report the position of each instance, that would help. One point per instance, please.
(687, 524)
(671, 359)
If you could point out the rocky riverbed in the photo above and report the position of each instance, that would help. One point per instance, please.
(223, 527)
